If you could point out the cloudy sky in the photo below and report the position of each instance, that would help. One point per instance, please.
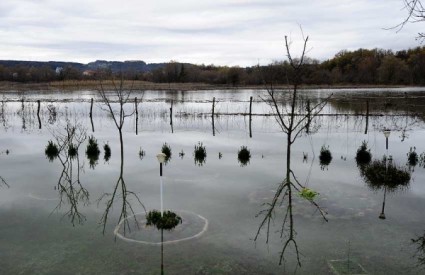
(232, 32)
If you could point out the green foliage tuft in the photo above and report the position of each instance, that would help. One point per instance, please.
(168, 221)
(308, 194)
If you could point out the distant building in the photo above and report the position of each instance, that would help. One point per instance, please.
(59, 70)
(89, 73)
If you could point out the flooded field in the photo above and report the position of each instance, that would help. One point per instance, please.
(80, 213)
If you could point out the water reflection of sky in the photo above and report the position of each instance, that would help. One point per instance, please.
(228, 195)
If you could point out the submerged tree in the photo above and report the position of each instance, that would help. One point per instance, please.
(292, 123)
(115, 102)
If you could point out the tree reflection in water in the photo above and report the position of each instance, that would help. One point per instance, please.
(419, 242)
(69, 185)
(293, 123)
(114, 104)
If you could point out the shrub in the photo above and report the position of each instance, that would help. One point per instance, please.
(166, 149)
(51, 150)
(107, 150)
(380, 174)
(92, 152)
(363, 156)
(325, 156)
(72, 151)
(200, 154)
(168, 221)
(244, 155)
(412, 157)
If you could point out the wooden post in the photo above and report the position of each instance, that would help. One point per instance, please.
(250, 117)
(24, 127)
(38, 114)
(367, 117)
(171, 117)
(137, 115)
(91, 108)
(212, 116)
(91, 114)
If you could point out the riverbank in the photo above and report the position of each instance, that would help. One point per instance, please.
(73, 85)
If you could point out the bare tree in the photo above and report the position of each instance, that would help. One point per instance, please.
(293, 124)
(415, 14)
(115, 103)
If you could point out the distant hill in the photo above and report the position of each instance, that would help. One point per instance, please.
(115, 66)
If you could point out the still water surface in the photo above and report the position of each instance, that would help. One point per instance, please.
(52, 224)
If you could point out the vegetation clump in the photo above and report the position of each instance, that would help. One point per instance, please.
(412, 157)
(107, 150)
(363, 156)
(325, 156)
(166, 149)
(200, 154)
(168, 221)
(72, 150)
(51, 150)
(308, 194)
(380, 174)
(244, 155)
(92, 151)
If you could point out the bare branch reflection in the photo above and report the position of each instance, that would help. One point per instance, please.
(120, 95)
(293, 125)
(69, 185)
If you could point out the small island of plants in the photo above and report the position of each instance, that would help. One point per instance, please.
(200, 154)
(244, 155)
(168, 221)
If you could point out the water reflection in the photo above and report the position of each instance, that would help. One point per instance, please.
(419, 243)
(3, 182)
(325, 157)
(69, 185)
(384, 174)
(92, 152)
(244, 155)
(120, 188)
(200, 154)
(293, 121)
(107, 154)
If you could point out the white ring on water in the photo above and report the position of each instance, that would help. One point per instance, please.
(199, 234)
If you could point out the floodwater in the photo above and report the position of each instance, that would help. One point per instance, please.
(66, 216)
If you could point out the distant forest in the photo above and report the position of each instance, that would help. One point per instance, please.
(364, 67)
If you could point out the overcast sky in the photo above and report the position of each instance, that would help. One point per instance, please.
(232, 32)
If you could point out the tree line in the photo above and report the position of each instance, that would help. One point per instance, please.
(359, 67)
